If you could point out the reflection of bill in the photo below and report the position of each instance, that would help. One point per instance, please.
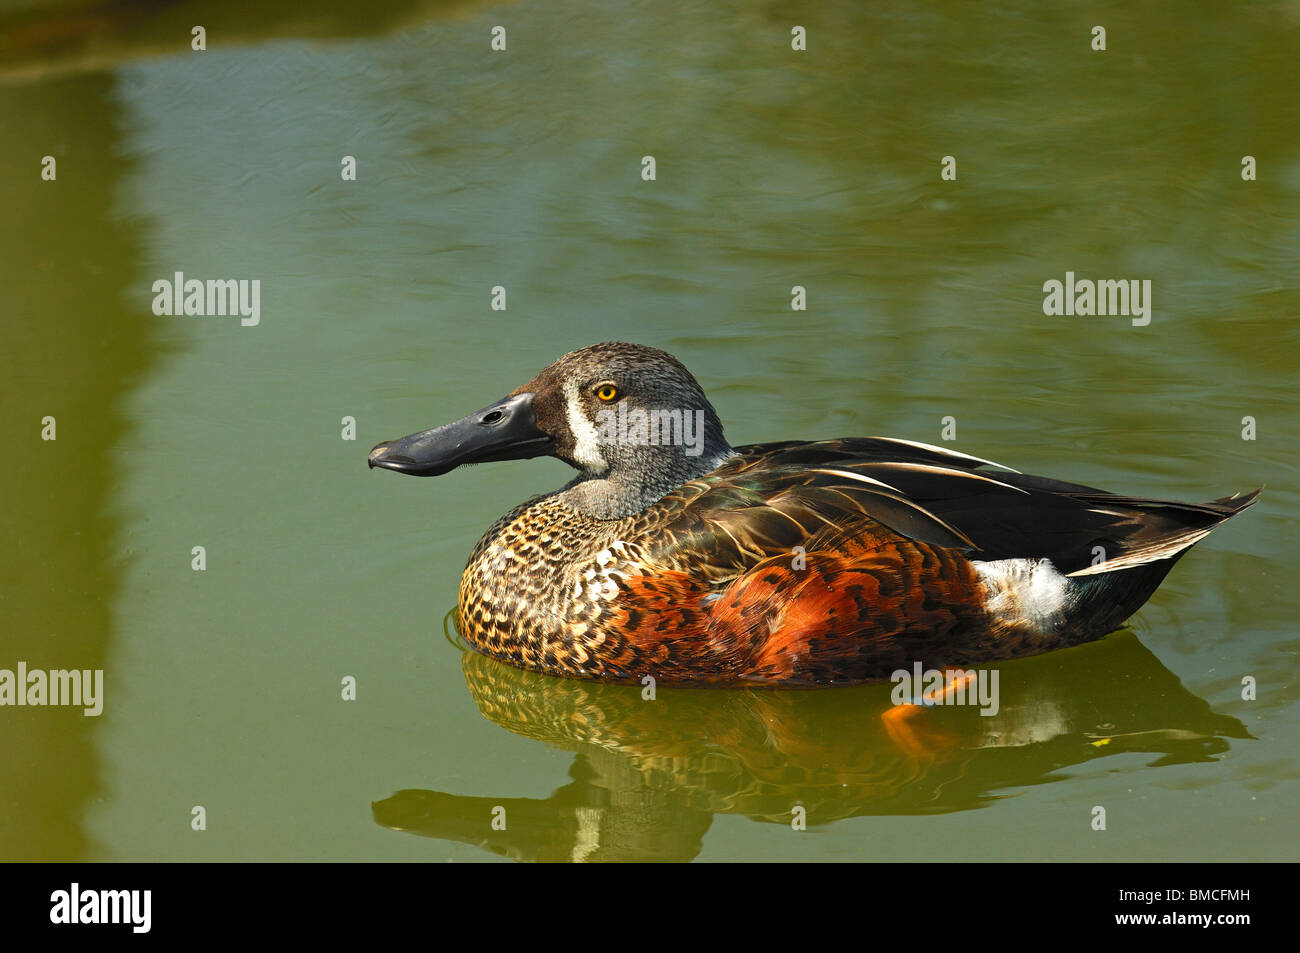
(648, 776)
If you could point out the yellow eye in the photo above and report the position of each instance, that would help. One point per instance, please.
(607, 392)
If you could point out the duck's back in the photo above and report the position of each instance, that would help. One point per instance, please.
(822, 562)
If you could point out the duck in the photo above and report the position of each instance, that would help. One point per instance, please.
(675, 557)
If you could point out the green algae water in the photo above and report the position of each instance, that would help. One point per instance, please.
(201, 532)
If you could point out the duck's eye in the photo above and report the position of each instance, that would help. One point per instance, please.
(607, 392)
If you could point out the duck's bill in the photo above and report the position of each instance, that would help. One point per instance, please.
(506, 430)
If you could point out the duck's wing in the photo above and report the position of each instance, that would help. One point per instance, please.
(843, 561)
(772, 498)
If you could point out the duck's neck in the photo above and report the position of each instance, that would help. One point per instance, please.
(629, 489)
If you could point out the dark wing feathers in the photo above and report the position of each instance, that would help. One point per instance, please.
(774, 497)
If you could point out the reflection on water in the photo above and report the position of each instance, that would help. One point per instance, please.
(648, 776)
(74, 351)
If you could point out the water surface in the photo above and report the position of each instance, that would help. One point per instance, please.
(522, 169)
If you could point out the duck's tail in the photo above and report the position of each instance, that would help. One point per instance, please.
(1104, 595)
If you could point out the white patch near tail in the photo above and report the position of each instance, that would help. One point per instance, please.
(1036, 720)
(1025, 592)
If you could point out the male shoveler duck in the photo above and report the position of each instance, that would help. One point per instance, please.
(675, 555)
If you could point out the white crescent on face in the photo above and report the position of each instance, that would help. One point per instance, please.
(586, 441)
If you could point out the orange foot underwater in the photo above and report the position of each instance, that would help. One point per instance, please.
(901, 721)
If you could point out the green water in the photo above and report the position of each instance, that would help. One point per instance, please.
(522, 169)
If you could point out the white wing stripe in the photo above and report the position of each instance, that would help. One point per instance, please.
(946, 452)
(965, 474)
(855, 476)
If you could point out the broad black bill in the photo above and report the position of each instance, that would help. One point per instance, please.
(506, 430)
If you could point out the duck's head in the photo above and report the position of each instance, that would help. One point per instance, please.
(631, 419)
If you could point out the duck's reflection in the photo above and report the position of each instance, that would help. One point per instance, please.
(650, 774)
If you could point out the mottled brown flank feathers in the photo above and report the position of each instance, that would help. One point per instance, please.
(703, 586)
(868, 608)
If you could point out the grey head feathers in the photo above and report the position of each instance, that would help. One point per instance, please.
(632, 420)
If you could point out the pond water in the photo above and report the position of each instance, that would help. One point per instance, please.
(523, 169)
